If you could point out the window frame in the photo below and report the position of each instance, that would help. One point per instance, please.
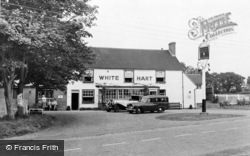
(93, 101)
(129, 77)
(164, 78)
(92, 77)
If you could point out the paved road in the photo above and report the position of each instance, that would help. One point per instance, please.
(101, 133)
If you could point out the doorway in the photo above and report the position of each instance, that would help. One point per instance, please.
(75, 100)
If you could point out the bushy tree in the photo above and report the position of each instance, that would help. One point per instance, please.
(42, 43)
(227, 82)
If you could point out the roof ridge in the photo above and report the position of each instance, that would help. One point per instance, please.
(131, 48)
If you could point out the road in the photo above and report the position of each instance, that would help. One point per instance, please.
(102, 133)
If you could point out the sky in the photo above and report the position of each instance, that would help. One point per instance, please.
(153, 24)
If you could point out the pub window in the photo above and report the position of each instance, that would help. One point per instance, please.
(88, 96)
(128, 76)
(160, 76)
(88, 76)
(48, 93)
(162, 92)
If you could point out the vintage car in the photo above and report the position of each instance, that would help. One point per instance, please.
(149, 103)
(121, 104)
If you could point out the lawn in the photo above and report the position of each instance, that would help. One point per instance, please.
(21, 126)
(195, 116)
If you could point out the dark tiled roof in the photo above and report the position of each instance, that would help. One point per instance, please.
(114, 58)
(196, 78)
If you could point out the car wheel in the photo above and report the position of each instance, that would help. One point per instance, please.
(116, 108)
(138, 110)
(160, 110)
(130, 112)
(108, 110)
(142, 111)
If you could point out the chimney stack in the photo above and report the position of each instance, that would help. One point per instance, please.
(171, 48)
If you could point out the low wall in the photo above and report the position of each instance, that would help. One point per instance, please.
(232, 98)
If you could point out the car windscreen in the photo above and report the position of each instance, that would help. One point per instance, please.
(144, 99)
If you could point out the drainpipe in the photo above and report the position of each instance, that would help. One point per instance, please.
(195, 104)
(182, 90)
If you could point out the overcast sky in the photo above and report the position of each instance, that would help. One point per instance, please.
(152, 24)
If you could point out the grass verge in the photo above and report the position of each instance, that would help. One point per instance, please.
(195, 116)
(21, 126)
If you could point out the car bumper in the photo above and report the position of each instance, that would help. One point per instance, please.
(130, 109)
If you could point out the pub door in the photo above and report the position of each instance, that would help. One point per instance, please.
(75, 101)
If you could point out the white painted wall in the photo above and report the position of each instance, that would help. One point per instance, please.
(177, 85)
(174, 86)
(198, 96)
(189, 89)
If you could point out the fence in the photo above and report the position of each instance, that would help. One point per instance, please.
(232, 98)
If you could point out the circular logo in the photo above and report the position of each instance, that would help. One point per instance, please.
(8, 147)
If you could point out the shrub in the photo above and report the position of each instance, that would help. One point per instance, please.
(224, 103)
(68, 108)
(215, 99)
(190, 107)
(243, 102)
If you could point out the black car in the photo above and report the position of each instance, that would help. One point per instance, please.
(149, 103)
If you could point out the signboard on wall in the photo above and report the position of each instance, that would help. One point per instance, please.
(144, 77)
(60, 96)
(109, 76)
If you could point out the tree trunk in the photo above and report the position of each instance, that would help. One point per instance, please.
(21, 106)
(8, 75)
(8, 100)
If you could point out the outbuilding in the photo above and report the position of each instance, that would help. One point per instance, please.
(120, 73)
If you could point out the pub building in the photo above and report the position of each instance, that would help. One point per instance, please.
(120, 73)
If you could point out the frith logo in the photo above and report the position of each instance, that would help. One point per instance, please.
(211, 28)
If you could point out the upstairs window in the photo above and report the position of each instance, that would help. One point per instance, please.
(88, 76)
(160, 76)
(128, 76)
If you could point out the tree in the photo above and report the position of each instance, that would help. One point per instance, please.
(213, 80)
(228, 82)
(231, 82)
(44, 43)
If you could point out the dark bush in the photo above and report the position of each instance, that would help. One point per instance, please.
(68, 108)
(224, 103)
(190, 107)
(215, 99)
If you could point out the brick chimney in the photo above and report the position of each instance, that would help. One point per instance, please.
(171, 48)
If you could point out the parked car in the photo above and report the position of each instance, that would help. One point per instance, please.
(149, 103)
(121, 104)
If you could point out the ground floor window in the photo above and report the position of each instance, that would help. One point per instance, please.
(162, 92)
(48, 93)
(109, 94)
(88, 96)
